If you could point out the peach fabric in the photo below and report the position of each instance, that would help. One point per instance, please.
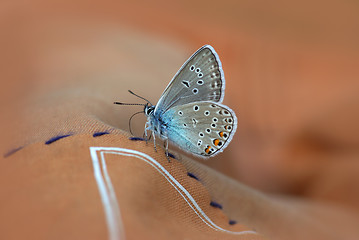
(292, 78)
(59, 195)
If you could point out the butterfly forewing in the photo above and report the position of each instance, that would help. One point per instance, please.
(202, 128)
(201, 78)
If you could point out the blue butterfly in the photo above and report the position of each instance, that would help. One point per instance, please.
(189, 112)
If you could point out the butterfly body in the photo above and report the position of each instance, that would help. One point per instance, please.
(189, 112)
(155, 123)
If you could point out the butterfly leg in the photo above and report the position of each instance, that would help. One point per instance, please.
(154, 140)
(165, 143)
(145, 133)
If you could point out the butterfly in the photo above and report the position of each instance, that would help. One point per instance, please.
(190, 112)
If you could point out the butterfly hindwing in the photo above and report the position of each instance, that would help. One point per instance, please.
(202, 128)
(201, 78)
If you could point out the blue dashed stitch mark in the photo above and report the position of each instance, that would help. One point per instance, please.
(192, 176)
(11, 152)
(171, 155)
(232, 222)
(54, 139)
(216, 205)
(137, 139)
(97, 134)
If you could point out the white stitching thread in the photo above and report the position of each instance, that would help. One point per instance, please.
(108, 196)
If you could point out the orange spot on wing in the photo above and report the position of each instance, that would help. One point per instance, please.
(207, 149)
(216, 142)
(221, 134)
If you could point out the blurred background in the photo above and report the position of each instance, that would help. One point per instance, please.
(291, 70)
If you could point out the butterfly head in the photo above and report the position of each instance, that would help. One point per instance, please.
(149, 108)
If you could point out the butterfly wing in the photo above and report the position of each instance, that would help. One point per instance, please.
(200, 78)
(202, 128)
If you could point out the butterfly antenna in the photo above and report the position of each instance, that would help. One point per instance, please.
(139, 96)
(121, 103)
(129, 121)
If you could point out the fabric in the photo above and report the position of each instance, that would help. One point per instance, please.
(71, 170)
(82, 187)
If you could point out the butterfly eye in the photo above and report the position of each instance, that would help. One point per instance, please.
(149, 111)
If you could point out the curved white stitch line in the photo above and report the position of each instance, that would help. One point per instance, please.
(108, 198)
(180, 189)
